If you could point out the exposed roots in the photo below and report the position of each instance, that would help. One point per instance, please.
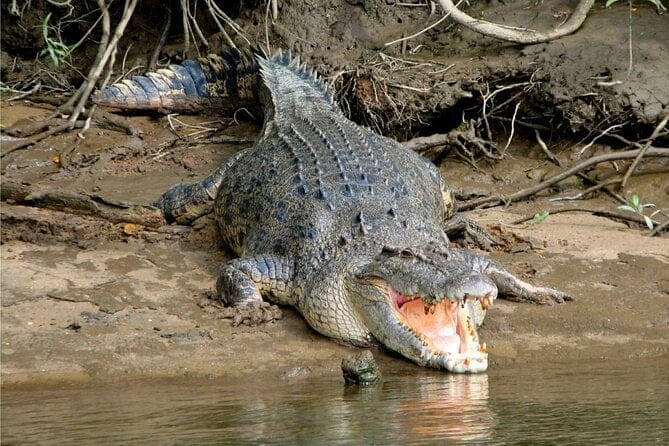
(364, 93)
(516, 34)
(464, 140)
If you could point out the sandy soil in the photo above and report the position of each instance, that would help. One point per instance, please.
(86, 299)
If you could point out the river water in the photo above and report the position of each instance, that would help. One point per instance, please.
(601, 404)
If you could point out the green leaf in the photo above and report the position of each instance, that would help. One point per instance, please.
(609, 3)
(649, 222)
(624, 207)
(539, 217)
(54, 58)
(635, 201)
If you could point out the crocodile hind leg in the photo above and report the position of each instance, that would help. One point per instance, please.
(244, 281)
(456, 224)
(185, 202)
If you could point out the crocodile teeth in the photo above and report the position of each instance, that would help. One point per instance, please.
(486, 302)
(483, 348)
(429, 308)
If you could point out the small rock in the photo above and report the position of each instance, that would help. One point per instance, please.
(536, 174)
(361, 369)
(521, 247)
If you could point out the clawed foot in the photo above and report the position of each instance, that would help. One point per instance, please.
(253, 314)
(541, 296)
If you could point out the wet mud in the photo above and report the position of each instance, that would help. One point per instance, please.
(87, 299)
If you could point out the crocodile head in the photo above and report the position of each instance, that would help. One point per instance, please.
(425, 304)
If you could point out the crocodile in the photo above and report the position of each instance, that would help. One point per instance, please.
(334, 219)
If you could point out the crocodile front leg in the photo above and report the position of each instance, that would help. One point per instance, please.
(244, 281)
(509, 286)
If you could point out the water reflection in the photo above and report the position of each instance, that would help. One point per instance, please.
(405, 409)
(604, 404)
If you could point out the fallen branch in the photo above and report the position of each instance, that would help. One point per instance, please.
(515, 34)
(91, 205)
(87, 87)
(27, 142)
(161, 41)
(545, 148)
(524, 193)
(461, 139)
(75, 105)
(659, 228)
(597, 212)
(589, 190)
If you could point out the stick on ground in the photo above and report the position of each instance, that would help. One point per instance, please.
(524, 193)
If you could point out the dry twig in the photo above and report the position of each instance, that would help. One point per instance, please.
(643, 150)
(545, 148)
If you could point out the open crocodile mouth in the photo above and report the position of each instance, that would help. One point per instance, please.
(446, 329)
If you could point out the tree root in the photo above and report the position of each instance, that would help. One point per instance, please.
(75, 105)
(34, 132)
(464, 139)
(643, 150)
(58, 128)
(515, 34)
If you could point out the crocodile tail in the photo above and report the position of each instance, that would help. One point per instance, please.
(218, 82)
(292, 84)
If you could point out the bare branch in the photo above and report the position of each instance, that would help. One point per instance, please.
(643, 150)
(471, 204)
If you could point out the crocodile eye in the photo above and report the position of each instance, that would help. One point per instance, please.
(407, 253)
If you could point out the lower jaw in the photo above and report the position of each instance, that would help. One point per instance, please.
(459, 362)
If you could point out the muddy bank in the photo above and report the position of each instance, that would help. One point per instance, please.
(84, 299)
(579, 84)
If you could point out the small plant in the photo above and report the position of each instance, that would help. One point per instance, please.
(661, 9)
(634, 205)
(56, 50)
(539, 217)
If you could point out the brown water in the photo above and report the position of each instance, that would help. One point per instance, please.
(621, 403)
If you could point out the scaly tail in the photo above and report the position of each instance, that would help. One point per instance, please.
(218, 83)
